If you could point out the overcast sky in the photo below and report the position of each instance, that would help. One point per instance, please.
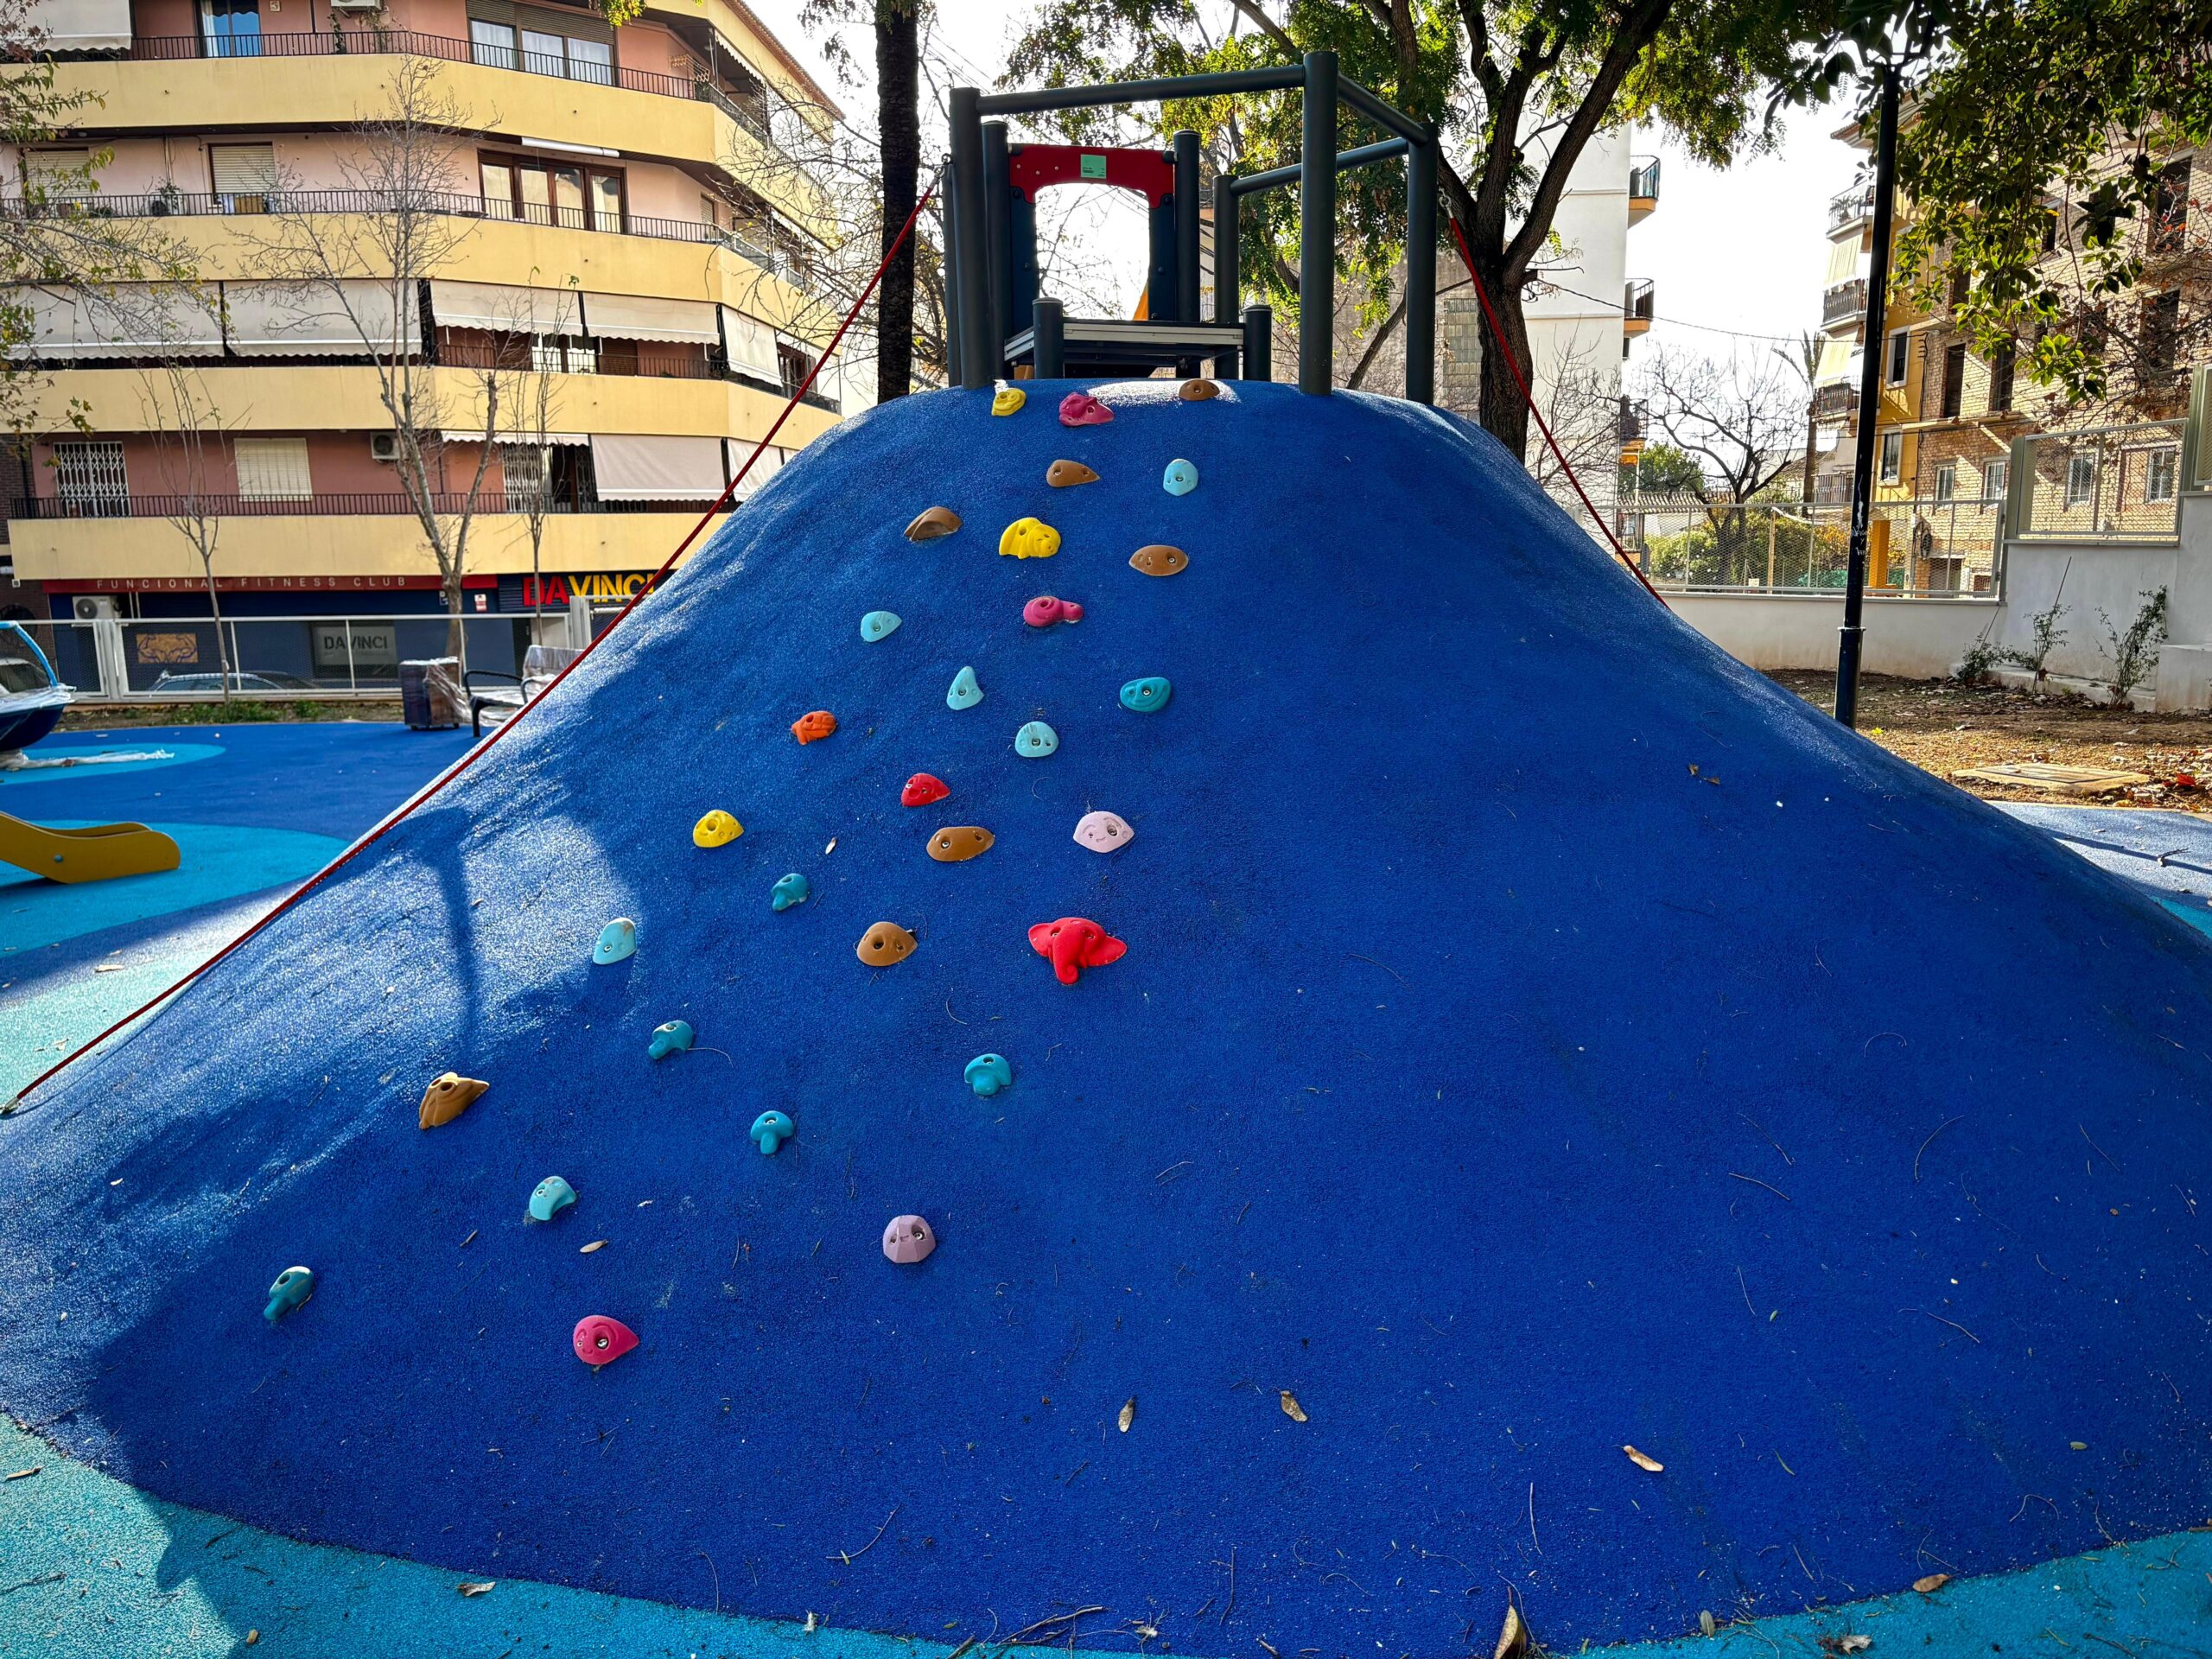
(1742, 252)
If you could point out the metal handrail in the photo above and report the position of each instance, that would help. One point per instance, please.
(1637, 299)
(1644, 179)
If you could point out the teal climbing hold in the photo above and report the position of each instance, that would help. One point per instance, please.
(670, 1039)
(1182, 478)
(551, 1196)
(1035, 741)
(989, 1073)
(1147, 696)
(789, 890)
(771, 1130)
(618, 939)
(965, 693)
(878, 625)
(293, 1286)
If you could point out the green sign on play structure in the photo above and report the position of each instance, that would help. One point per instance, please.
(1094, 166)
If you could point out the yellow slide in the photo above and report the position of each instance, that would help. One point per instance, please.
(104, 851)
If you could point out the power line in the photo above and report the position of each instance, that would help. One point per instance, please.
(1679, 322)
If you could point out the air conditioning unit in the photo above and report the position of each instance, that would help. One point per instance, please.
(357, 5)
(94, 608)
(383, 446)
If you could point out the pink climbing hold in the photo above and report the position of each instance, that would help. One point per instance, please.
(602, 1341)
(1080, 409)
(1043, 611)
(907, 1239)
(1073, 944)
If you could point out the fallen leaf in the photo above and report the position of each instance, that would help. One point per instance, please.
(831, 848)
(2079, 1446)
(25, 1474)
(596, 1244)
(1513, 1639)
(1291, 1409)
(1129, 1413)
(251, 1637)
(1932, 1582)
(1649, 1465)
(476, 1587)
(1706, 1624)
(810, 1622)
(108, 968)
(1845, 1643)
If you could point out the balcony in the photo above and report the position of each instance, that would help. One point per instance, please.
(1636, 308)
(1845, 303)
(1633, 423)
(1642, 187)
(1834, 403)
(1849, 207)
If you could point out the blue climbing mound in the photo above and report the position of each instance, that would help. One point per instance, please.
(1492, 1031)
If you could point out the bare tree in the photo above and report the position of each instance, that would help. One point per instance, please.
(187, 425)
(1804, 361)
(1738, 417)
(1578, 397)
(533, 403)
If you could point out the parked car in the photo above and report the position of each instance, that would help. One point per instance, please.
(211, 684)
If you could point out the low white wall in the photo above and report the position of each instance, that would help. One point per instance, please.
(1912, 638)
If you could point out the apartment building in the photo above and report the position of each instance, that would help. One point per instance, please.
(631, 218)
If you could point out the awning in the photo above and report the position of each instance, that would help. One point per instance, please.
(636, 469)
(500, 309)
(519, 439)
(771, 462)
(1835, 361)
(123, 321)
(751, 344)
(347, 319)
(631, 316)
(84, 25)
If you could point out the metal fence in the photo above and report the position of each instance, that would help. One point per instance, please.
(1919, 548)
(2103, 484)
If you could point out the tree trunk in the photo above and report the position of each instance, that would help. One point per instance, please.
(1812, 448)
(1502, 412)
(456, 636)
(898, 117)
(215, 610)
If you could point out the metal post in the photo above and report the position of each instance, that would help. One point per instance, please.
(998, 236)
(1259, 342)
(1317, 228)
(1048, 332)
(1420, 270)
(1853, 632)
(970, 252)
(1186, 227)
(951, 198)
(1228, 278)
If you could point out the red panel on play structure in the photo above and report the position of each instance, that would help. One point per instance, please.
(1032, 166)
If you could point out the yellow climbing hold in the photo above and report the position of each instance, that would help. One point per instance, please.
(717, 828)
(1029, 538)
(1008, 399)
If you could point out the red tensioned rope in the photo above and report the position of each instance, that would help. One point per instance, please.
(1497, 333)
(508, 725)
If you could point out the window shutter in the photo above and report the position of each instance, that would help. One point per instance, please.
(273, 469)
(243, 169)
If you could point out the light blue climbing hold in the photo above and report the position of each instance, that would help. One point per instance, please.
(965, 693)
(1035, 741)
(551, 1196)
(293, 1286)
(1147, 696)
(1182, 478)
(669, 1038)
(789, 890)
(618, 939)
(989, 1073)
(878, 625)
(771, 1130)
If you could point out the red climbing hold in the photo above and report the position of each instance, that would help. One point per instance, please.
(1080, 409)
(602, 1341)
(811, 728)
(1043, 611)
(921, 789)
(1073, 944)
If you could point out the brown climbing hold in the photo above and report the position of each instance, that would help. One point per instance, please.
(447, 1098)
(1061, 474)
(934, 522)
(1159, 561)
(885, 944)
(810, 728)
(1197, 391)
(960, 843)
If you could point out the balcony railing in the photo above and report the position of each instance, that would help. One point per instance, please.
(1852, 204)
(1636, 305)
(1844, 301)
(346, 504)
(1644, 179)
(1834, 403)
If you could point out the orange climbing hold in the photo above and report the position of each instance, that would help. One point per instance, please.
(447, 1098)
(1159, 560)
(811, 728)
(959, 842)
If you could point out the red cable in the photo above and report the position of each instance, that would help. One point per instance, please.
(506, 725)
(1497, 333)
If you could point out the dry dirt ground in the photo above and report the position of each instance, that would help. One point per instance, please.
(1941, 727)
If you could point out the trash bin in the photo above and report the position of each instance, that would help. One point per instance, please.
(429, 694)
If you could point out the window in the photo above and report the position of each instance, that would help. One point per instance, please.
(89, 478)
(2161, 471)
(1899, 354)
(2049, 229)
(2161, 334)
(58, 174)
(2170, 209)
(523, 466)
(272, 469)
(607, 201)
(551, 192)
(2001, 378)
(2081, 478)
(491, 44)
(1946, 481)
(1892, 467)
(498, 183)
(231, 29)
(1993, 478)
(1958, 287)
(795, 365)
(545, 53)
(592, 60)
(553, 354)
(244, 175)
(1954, 380)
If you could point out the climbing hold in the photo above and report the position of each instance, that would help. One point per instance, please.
(1008, 399)
(1181, 478)
(921, 789)
(811, 728)
(885, 944)
(769, 1131)
(1147, 696)
(959, 843)
(908, 1240)
(551, 1196)
(670, 1039)
(1159, 561)
(1065, 474)
(989, 1073)
(1029, 538)
(931, 522)
(965, 693)
(1080, 409)
(1073, 944)
(717, 828)
(1198, 391)
(1035, 741)
(788, 891)
(1102, 832)
(879, 624)
(600, 1341)
(293, 1286)
(1043, 611)
(447, 1098)
(618, 939)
